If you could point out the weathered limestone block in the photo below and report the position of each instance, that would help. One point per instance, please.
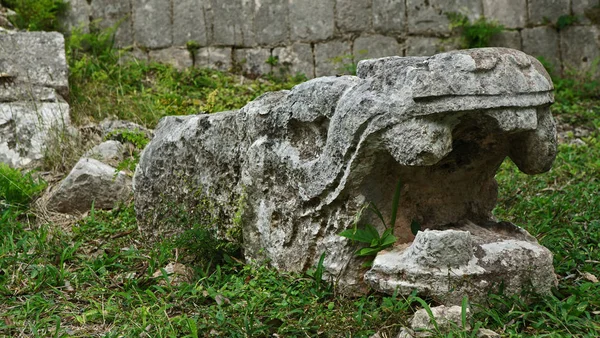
(189, 23)
(252, 61)
(580, 48)
(465, 260)
(297, 166)
(331, 57)
(580, 7)
(295, 59)
(542, 41)
(90, 182)
(311, 20)
(422, 46)
(152, 23)
(547, 11)
(109, 152)
(108, 13)
(178, 57)
(231, 23)
(214, 57)
(507, 39)
(429, 16)
(78, 15)
(353, 15)
(389, 16)
(271, 22)
(509, 13)
(375, 46)
(33, 88)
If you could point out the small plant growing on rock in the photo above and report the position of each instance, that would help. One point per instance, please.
(473, 34)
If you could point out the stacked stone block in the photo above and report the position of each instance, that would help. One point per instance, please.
(318, 37)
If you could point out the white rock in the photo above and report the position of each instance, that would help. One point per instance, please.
(109, 152)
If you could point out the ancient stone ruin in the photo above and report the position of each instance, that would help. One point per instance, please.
(292, 170)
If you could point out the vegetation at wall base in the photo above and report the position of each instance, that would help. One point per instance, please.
(37, 15)
(475, 34)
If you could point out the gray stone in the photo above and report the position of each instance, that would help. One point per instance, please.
(332, 58)
(178, 57)
(542, 12)
(292, 169)
(189, 23)
(111, 13)
(389, 16)
(508, 39)
(271, 22)
(542, 41)
(509, 13)
(375, 46)
(580, 48)
(214, 57)
(352, 15)
(25, 128)
(446, 319)
(34, 60)
(295, 59)
(78, 16)
(465, 261)
(311, 20)
(109, 152)
(152, 23)
(252, 61)
(231, 23)
(420, 46)
(429, 16)
(91, 182)
(581, 7)
(485, 333)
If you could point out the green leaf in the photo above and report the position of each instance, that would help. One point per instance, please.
(372, 231)
(373, 208)
(368, 251)
(359, 235)
(388, 241)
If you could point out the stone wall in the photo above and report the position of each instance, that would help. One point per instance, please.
(313, 36)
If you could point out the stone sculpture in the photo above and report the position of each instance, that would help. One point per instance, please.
(293, 168)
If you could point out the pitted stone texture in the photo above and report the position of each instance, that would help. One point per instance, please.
(271, 22)
(24, 130)
(78, 16)
(352, 15)
(467, 260)
(109, 152)
(331, 57)
(91, 182)
(231, 22)
(189, 23)
(253, 61)
(305, 161)
(446, 318)
(311, 20)
(178, 57)
(34, 61)
(295, 59)
(509, 13)
(542, 41)
(507, 39)
(429, 16)
(108, 13)
(214, 57)
(152, 23)
(368, 47)
(580, 48)
(389, 16)
(547, 11)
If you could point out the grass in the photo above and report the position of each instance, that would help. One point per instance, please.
(98, 277)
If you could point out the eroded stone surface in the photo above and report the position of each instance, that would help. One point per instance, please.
(90, 182)
(465, 260)
(298, 165)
